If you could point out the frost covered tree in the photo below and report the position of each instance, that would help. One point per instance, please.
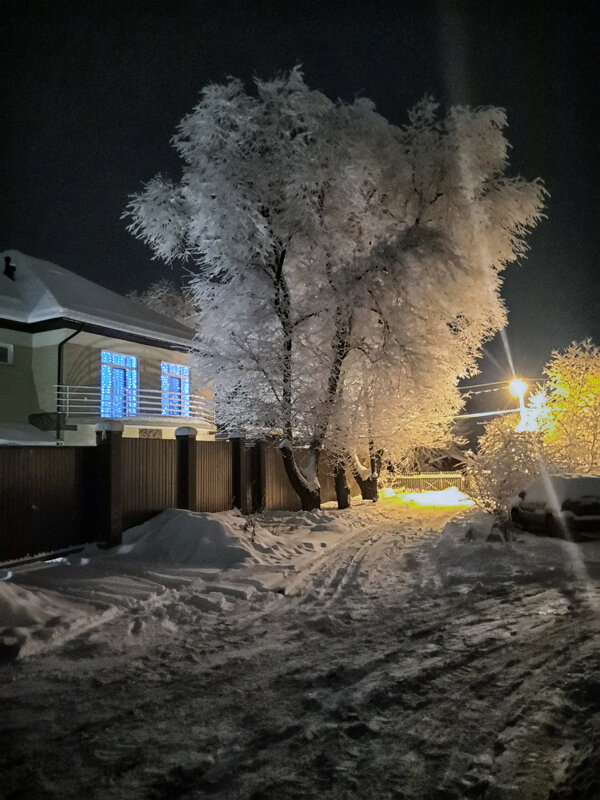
(505, 462)
(570, 415)
(317, 231)
(384, 415)
(562, 435)
(163, 296)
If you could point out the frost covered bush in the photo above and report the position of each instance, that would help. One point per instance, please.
(505, 462)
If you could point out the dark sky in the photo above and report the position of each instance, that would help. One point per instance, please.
(92, 92)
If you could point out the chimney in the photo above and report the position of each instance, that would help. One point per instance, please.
(9, 269)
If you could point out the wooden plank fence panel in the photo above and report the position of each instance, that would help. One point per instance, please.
(149, 478)
(279, 493)
(214, 479)
(281, 496)
(432, 482)
(50, 496)
(46, 499)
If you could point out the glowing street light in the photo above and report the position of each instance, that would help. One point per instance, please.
(517, 388)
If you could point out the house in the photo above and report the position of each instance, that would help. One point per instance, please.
(73, 353)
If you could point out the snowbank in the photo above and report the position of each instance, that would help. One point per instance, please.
(221, 541)
(218, 559)
(180, 565)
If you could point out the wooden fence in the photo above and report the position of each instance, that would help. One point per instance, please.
(430, 481)
(55, 498)
(47, 499)
(149, 478)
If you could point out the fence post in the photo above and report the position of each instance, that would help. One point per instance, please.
(239, 471)
(187, 468)
(109, 453)
(258, 477)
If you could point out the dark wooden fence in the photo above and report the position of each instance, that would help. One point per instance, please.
(214, 491)
(149, 478)
(55, 498)
(47, 499)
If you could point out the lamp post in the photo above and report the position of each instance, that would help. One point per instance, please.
(517, 388)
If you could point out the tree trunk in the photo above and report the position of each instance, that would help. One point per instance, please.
(342, 490)
(310, 497)
(368, 489)
(367, 486)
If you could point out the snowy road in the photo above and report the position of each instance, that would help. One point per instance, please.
(401, 662)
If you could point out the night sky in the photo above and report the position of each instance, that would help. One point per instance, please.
(93, 91)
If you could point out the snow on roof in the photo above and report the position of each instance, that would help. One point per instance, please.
(44, 291)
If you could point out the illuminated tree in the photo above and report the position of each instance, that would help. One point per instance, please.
(571, 419)
(385, 415)
(319, 235)
(505, 462)
(562, 434)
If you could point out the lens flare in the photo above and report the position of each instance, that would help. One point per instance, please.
(517, 387)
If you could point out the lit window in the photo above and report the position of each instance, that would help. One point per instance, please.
(119, 385)
(174, 390)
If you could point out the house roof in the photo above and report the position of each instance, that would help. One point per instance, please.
(42, 292)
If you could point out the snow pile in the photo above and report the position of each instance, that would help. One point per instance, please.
(221, 541)
(471, 552)
(189, 563)
(34, 621)
(450, 497)
(181, 565)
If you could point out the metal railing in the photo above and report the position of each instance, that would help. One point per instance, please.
(91, 402)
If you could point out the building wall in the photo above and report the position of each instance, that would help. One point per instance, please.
(27, 386)
(82, 359)
(44, 363)
(18, 395)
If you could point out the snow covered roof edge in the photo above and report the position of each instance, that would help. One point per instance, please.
(44, 291)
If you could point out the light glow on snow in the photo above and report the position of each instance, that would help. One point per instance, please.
(444, 498)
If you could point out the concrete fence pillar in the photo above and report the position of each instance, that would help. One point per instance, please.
(187, 468)
(109, 454)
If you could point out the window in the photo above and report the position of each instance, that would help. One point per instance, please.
(174, 390)
(6, 354)
(119, 385)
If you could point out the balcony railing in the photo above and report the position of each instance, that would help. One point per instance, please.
(91, 402)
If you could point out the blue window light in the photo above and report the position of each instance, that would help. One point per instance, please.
(174, 390)
(118, 385)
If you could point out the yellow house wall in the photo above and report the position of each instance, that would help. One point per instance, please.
(27, 386)
(82, 360)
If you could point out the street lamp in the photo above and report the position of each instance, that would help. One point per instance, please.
(517, 388)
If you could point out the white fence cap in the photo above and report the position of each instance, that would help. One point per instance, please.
(186, 431)
(109, 425)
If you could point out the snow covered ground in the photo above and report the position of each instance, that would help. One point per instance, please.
(385, 651)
